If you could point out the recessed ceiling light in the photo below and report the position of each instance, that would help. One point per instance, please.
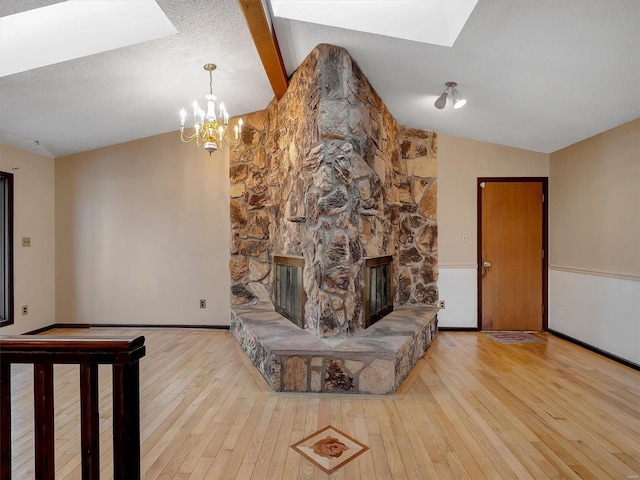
(428, 21)
(77, 28)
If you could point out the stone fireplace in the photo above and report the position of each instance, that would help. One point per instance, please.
(326, 175)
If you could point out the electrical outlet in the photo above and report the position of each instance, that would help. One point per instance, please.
(26, 241)
(203, 303)
(25, 309)
(441, 304)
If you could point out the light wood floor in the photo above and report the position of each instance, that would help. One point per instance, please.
(471, 409)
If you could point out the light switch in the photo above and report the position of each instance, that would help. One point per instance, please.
(464, 238)
(26, 241)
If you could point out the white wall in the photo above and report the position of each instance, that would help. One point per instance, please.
(34, 267)
(460, 162)
(142, 233)
(458, 287)
(594, 241)
(603, 312)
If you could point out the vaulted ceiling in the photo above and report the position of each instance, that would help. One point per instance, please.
(538, 75)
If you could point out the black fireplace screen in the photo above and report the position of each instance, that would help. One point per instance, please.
(378, 288)
(289, 294)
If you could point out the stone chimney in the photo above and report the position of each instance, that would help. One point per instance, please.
(327, 174)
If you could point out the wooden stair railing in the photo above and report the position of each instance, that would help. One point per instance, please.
(88, 352)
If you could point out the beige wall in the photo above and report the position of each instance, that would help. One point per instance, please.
(594, 241)
(142, 229)
(34, 267)
(460, 162)
(594, 190)
(142, 233)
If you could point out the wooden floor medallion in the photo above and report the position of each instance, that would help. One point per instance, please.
(329, 449)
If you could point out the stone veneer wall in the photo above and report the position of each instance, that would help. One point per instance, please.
(326, 173)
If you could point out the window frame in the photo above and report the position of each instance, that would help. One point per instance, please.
(7, 308)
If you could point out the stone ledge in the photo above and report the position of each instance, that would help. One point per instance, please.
(373, 361)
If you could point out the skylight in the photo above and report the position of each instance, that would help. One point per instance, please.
(77, 28)
(438, 22)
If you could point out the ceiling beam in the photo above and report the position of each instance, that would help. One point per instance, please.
(266, 43)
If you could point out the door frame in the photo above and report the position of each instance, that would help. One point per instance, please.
(545, 243)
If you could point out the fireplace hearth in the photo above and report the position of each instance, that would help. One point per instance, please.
(372, 361)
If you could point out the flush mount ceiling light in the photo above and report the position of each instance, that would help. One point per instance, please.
(210, 130)
(458, 100)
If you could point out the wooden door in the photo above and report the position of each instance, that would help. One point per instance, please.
(511, 254)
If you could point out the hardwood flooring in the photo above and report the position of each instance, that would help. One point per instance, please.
(472, 408)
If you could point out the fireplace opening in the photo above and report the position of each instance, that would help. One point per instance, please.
(289, 294)
(378, 282)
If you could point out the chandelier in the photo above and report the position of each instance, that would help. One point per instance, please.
(210, 130)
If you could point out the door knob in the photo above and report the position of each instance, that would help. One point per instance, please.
(486, 264)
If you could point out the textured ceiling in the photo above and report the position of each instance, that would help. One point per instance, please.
(538, 74)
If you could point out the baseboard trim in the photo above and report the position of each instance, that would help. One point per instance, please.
(604, 353)
(145, 325)
(71, 325)
(121, 325)
(457, 329)
(40, 330)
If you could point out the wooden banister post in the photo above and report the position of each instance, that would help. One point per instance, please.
(89, 421)
(44, 425)
(126, 422)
